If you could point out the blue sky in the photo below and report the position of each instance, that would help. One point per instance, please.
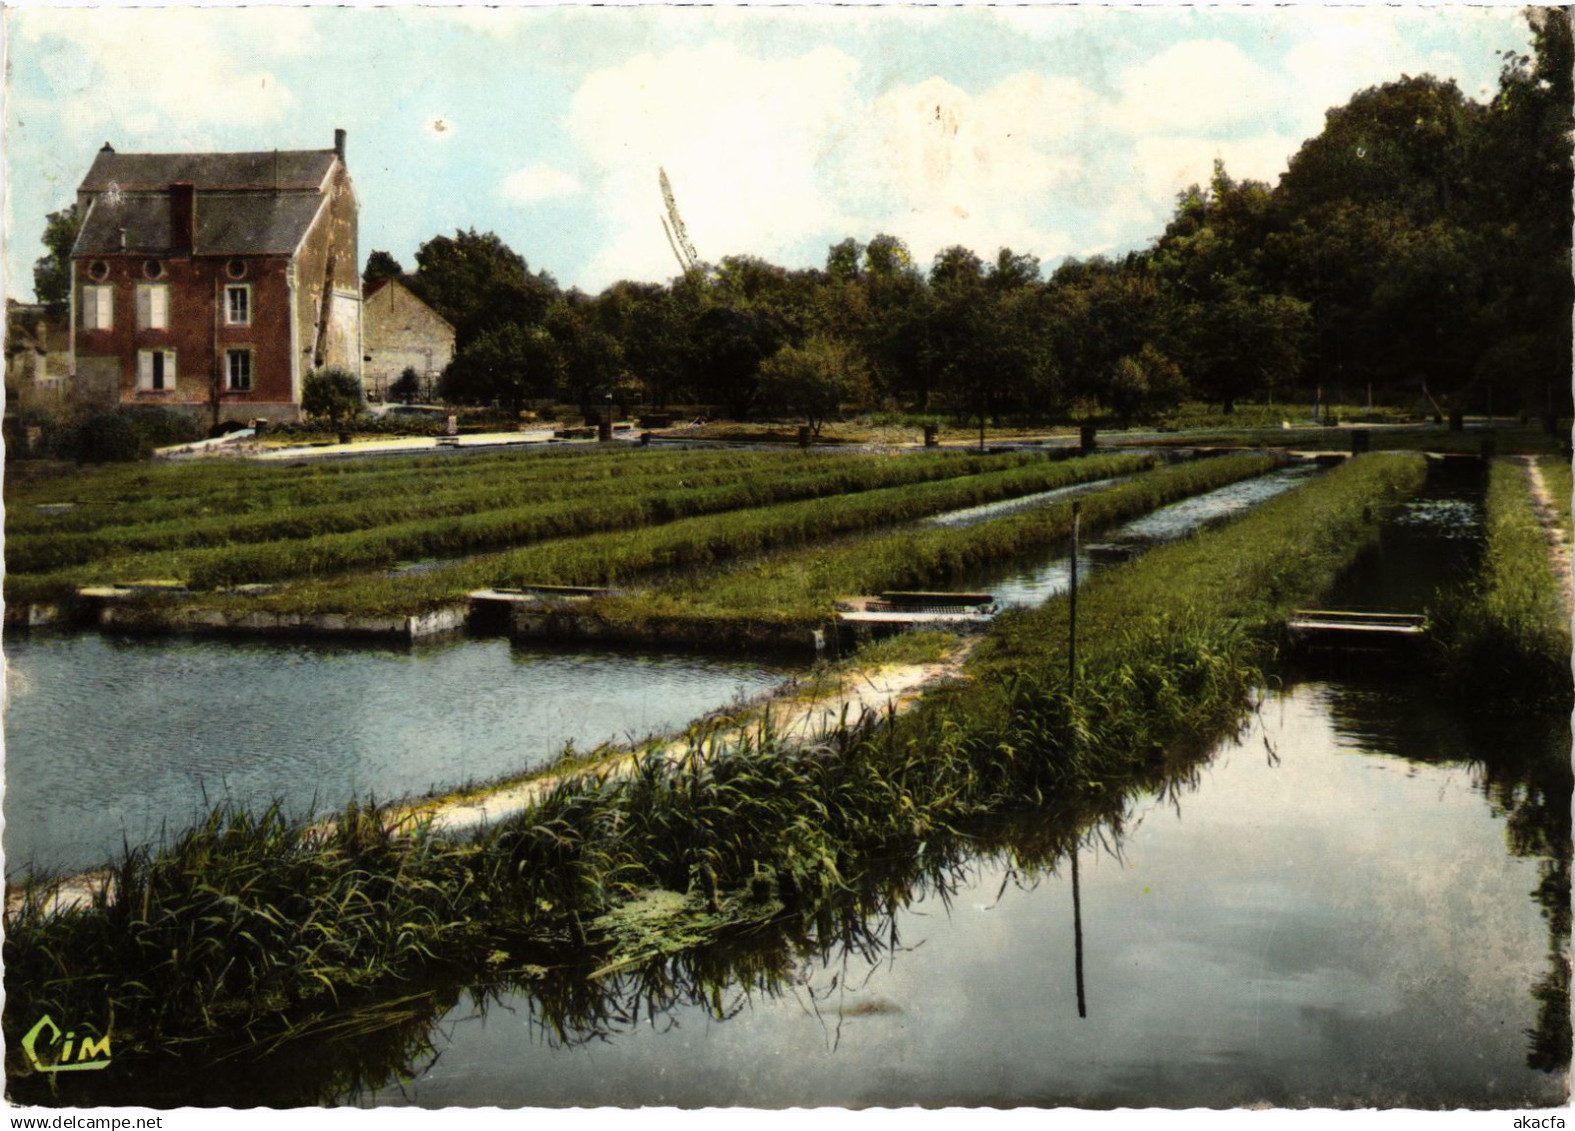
(1062, 130)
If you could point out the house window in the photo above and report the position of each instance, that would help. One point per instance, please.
(98, 269)
(98, 308)
(238, 306)
(236, 268)
(156, 371)
(153, 306)
(238, 370)
(153, 269)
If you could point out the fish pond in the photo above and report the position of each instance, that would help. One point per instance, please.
(1359, 898)
(118, 739)
(1346, 905)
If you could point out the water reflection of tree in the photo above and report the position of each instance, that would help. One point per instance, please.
(1521, 765)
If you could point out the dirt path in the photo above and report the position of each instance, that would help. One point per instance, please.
(1547, 515)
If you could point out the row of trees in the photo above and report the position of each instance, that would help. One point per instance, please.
(1418, 247)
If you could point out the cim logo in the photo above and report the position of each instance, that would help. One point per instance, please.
(50, 1050)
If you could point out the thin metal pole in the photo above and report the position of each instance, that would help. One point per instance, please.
(1071, 629)
(1077, 928)
(1071, 679)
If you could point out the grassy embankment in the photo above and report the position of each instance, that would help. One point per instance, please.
(314, 525)
(1507, 638)
(907, 427)
(251, 930)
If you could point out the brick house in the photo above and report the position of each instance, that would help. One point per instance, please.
(401, 332)
(215, 282)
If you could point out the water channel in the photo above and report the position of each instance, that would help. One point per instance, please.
(1359, 900)
(1327, 913)
(121, 737)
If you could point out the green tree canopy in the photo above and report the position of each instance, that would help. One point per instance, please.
(333, 395)
(381, 265)
(52, 272)
(478, 282)
(508, 365)
(814, 380)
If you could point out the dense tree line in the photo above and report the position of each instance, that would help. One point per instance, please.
(1417, 248)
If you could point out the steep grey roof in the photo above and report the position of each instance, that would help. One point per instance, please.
(228, 223)
(283, 168)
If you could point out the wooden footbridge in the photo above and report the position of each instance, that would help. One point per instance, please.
(1354, 630)
(913, 609)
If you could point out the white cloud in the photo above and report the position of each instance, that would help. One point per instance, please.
(170, 73)
(939, 166)
(741, 138)
(539, 182)
(1200, 86)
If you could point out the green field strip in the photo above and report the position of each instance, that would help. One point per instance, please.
(465, 534)
(619, 557)
(495, 492)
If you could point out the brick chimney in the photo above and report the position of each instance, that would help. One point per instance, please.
(183, 217)
(339, 145)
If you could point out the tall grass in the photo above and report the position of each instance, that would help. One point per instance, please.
(1507, 636)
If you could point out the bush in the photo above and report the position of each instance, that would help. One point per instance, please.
(407, 389)
(333, 395)
(103, 437)
(162, 427)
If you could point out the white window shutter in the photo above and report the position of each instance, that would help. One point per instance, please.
(145, 369)
(158, 307)
(106, 310)
(144, 308)
(169, 370)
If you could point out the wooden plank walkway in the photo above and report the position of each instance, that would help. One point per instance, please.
(534, 594)
(905, 609)
(1352, 628)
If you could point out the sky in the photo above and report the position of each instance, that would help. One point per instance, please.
(1058, 131)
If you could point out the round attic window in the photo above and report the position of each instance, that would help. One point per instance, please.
(235, 268)
(153, 269)
(98, 269)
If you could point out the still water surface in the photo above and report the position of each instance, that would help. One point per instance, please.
(112, 737)
(1327, 914)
